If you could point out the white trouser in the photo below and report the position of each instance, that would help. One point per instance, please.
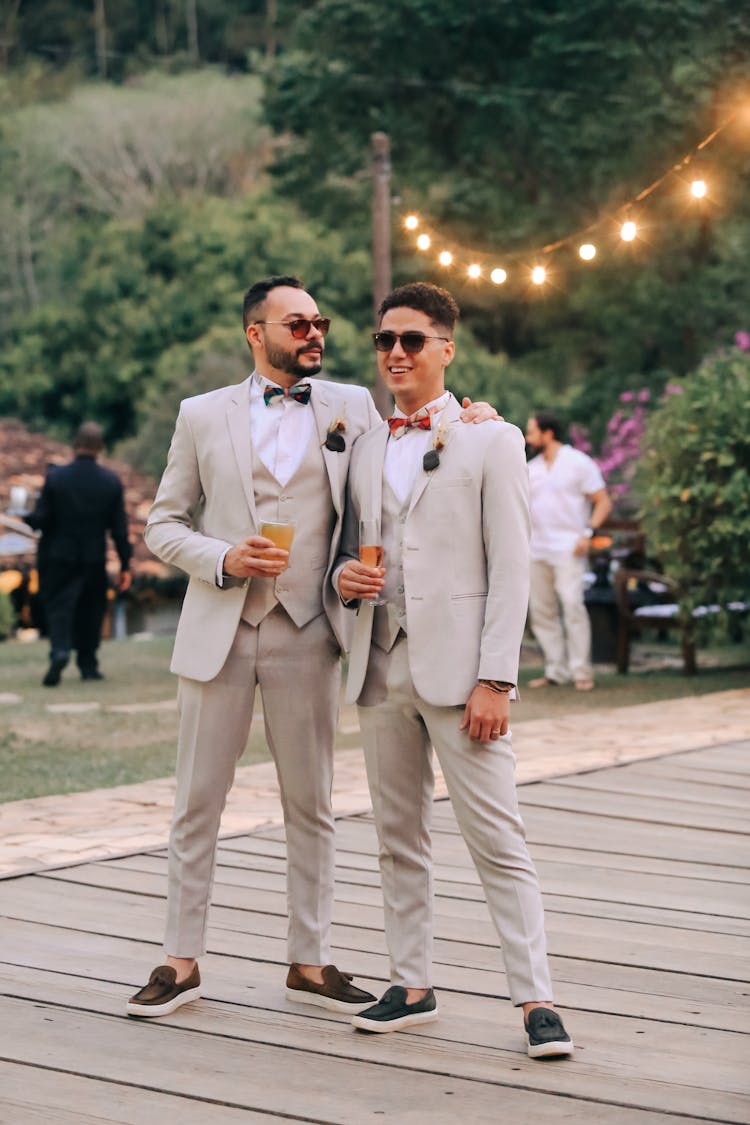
(398, 736)
(557, 588)
(298, 671)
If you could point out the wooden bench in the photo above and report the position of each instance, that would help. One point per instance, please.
(662, 613)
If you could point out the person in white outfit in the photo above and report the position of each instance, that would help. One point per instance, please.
(569, 503)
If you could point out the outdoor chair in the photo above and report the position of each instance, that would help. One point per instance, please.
(646, 599)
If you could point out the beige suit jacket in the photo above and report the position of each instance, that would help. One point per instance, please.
(205, 503)
(465, 558)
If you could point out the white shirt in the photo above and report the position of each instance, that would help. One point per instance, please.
(280, 433)
(558, 497)
(403, 455)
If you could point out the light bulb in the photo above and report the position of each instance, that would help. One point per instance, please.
(498, 276)
(446, 258)
(474, 270)
(587, 251)
(411, 222)
(628, 231)
(539, 275)
(698, 189)
(423, 242)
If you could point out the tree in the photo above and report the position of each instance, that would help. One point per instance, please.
(514, 125)
(695, 480)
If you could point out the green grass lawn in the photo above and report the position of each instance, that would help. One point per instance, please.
(43, 751)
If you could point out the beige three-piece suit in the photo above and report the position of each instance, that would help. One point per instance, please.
(457, 561)
(285, 636)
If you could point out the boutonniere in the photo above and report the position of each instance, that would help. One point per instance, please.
(431, 459)
(334, 441)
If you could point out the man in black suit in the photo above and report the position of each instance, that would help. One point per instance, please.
(78, 504)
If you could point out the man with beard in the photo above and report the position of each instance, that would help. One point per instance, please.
(569, 504)
(274, 449)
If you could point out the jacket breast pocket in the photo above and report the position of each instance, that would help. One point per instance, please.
(451, 482)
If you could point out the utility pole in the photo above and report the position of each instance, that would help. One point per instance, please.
(381, 244)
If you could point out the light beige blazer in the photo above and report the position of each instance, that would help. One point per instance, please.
(465, 558)
(205, 503)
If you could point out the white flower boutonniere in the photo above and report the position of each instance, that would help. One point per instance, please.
(334, 439)
(431, 459)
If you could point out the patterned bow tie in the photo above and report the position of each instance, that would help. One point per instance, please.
(419, 421)
(300, 392)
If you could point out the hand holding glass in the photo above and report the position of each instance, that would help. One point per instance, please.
(370, 550)
(280, 532)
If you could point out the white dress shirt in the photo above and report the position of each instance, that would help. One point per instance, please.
(280, 433)
(403, 455)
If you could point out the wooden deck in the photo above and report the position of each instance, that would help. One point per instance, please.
(644, 869)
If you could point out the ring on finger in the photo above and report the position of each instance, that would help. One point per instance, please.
(495, 731)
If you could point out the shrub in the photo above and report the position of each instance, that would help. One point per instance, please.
(695, 483)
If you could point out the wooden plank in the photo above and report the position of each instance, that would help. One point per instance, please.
(568, 935)
(35, 1095)
(669, 768)
(260, 965)
(635, 784)
(687, 814)
(370, 894)
(476, 1042)
(239, 933)
(391, 1080)
(731, 758)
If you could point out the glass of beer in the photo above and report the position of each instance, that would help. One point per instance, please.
(370, 549)
(281, 532)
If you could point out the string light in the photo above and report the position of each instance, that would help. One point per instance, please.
(477, 263)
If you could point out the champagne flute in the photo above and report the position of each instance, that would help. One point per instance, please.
(370, 550)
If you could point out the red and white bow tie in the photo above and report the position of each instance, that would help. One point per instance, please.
(420, 420)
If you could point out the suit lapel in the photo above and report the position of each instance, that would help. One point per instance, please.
(238, 421)
(325, 411)
(451, 417)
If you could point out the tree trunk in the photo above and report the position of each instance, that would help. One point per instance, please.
(272, 12)
(381, 244)
(100, 31)
(8, 33)
(191, 16)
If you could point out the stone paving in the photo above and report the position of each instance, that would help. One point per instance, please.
(78, 827)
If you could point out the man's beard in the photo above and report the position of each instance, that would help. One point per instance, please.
(288, 362)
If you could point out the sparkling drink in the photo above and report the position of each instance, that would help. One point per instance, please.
(371, 555)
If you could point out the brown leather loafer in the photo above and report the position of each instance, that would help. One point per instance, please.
(336, 993)
(162, 994)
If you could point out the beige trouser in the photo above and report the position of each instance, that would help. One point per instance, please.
(298, 671)
(557, 588)
(398, 736)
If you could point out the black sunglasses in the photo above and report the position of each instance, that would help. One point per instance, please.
(411, 342)
(300, 328)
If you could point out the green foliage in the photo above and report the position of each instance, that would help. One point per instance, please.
(145, 301)
(514, 125)
(104, 151)
(695, 480)
(7, 616)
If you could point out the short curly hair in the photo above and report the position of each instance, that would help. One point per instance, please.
(437, 303)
